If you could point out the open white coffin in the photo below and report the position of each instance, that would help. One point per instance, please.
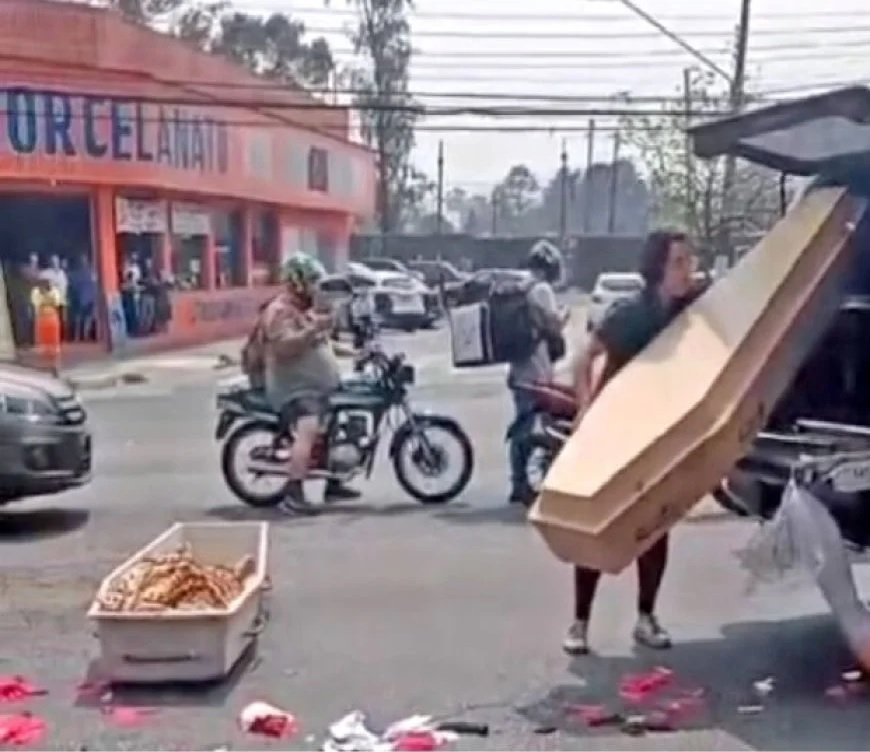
(186, 646)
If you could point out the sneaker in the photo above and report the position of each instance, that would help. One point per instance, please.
(295, 502)
(522, 495)
(576, 642)
(336, 491)
(649, 633)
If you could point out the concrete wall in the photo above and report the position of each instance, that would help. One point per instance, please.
(586, 258)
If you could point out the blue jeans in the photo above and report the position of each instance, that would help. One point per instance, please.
(518, 435)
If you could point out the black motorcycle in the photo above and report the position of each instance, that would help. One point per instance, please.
(431, 454)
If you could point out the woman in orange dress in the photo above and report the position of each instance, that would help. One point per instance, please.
(46, 303)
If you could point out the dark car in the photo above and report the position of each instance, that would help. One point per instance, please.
(45, 443)
(441, 276)
(477, 286)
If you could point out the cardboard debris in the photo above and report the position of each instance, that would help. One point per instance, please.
(637, 464)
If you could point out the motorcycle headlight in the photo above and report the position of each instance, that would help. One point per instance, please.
(28, 405)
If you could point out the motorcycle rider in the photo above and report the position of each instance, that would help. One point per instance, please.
(667, 264)
(546, 266)
(300, 373)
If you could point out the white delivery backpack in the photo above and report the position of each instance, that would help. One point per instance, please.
(470, 336)
(502, 327)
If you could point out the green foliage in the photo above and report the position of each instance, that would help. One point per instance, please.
(688, 192)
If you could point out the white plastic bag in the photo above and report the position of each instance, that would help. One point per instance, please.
(804, 536)
(771, 554)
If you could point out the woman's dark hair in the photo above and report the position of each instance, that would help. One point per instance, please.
(654, 256)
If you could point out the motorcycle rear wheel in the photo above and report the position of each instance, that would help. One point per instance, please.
(229, 466)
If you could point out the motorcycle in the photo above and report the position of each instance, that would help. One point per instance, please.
(554, 409)
(256, 445)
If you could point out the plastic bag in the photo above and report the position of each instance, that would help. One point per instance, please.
(803, 535)
(771, 554)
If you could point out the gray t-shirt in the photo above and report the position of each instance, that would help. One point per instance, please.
(538, 367)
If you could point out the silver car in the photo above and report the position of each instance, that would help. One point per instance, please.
(45, 442)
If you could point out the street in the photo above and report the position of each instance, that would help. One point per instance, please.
(395, 609)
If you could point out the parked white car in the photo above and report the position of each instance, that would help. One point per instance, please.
(399, 300)
(611, 287)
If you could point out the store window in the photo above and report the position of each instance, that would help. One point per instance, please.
(265, 252)
(229, 256)
(191, 227)
(144, 285)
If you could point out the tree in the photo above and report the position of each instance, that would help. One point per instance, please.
(416, 197)
(198, 23)
(687, 192)
(388, 112)
(273, 47)
(518, 192)
(146, 11)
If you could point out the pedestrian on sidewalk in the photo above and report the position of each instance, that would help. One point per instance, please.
(667, 264)
(46, 302)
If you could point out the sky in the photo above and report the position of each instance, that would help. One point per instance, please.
(587, 48)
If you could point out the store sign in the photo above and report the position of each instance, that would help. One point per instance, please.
(52, 123)
(318, 169)
(138, 217)
(189, 220)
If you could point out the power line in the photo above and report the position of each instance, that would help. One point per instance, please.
(827, 45)
(622, 35)
(602, 17)
(406, 107)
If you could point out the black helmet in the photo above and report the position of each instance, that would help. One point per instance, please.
(546, 258)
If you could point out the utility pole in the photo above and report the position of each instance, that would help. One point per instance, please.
(737, 95)
(563, 196)
(587, 185)
(494, 203)
(439, 211)
(690, 165)
(614, 167)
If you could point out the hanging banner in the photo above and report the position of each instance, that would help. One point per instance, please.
(189, 220)
(138, 217)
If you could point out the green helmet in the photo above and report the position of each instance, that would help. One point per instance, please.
(302, 269)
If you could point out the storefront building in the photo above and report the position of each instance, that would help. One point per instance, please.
(174, 179)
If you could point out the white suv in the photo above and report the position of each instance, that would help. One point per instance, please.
(609, 288)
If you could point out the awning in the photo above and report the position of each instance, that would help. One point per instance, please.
(828, 135)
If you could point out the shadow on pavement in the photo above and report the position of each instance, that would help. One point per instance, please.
(38, 524)
(468, 514)
(95, 692)
(345, 512)
(805, 657)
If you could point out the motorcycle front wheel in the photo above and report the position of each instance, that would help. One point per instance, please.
(252, 442)
(433, 459)
(542, 450)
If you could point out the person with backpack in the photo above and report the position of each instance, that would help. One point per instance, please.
(536, 365)
(289, 353)
(667, 264)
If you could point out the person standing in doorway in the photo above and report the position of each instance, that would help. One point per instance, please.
(82, 299)
(667, 264)
(47, 306)
(56, 276)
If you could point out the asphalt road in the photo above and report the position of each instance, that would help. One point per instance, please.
(393, 608)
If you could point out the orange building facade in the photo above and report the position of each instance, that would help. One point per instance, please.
(198, 177)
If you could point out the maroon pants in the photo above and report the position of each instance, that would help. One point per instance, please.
(650, 570)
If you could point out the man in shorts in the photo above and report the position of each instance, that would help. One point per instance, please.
(300, 373)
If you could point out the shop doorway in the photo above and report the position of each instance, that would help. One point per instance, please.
(49, 237)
